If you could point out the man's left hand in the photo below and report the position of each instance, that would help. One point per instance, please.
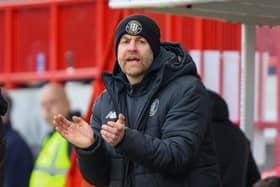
(113, 132)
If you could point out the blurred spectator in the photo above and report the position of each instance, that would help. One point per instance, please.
(273, 181)
(3, 109)
(19, 160)
(53, 161)
(237, 165)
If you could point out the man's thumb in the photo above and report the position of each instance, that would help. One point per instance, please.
(121, 119)
(77, 119)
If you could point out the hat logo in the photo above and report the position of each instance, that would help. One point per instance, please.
(133, 27)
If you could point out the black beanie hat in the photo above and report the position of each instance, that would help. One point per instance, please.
(138, 24)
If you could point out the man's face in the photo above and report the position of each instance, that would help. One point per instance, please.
(53, 103)
(135, 56)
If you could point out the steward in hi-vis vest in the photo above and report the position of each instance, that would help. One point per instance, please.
(52, 163)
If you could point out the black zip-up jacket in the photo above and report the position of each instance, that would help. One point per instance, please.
(167, 141)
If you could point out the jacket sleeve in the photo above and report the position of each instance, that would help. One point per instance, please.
(182, 133)
(93, 161)
(20, 158)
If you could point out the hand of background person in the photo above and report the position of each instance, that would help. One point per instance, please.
(113, 132)
(78, 132)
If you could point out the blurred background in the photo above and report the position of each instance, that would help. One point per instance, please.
(71, 42)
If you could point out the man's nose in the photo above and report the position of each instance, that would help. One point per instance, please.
(132, 45)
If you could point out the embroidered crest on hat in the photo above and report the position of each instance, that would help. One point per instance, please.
(133, 27)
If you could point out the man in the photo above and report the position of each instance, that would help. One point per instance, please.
(18, 154)
(150, 127)
(237, 165)
(3, 109)
(53, 160)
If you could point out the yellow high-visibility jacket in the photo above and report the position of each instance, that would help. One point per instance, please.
(52, 163)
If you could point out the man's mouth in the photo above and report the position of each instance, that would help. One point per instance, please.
(132, 59)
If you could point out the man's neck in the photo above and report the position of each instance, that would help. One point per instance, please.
(133, 81)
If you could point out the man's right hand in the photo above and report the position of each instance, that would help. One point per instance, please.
(78, 132)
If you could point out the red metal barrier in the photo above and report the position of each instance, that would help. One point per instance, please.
(47, 38)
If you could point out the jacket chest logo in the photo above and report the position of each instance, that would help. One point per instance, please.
(111, 115)
(154, 107)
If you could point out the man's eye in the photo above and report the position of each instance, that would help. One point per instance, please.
(142, 41)
(124, 41)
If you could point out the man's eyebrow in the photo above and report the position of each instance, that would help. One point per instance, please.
(124, 38)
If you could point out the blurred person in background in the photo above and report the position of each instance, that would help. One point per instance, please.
(3, 109)
(237, 165)
(53, 161)
(19, 160)
(272, 181)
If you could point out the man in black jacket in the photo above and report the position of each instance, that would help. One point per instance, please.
(17, 154)
(236, 162)
(151, 126)
(3, 109)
